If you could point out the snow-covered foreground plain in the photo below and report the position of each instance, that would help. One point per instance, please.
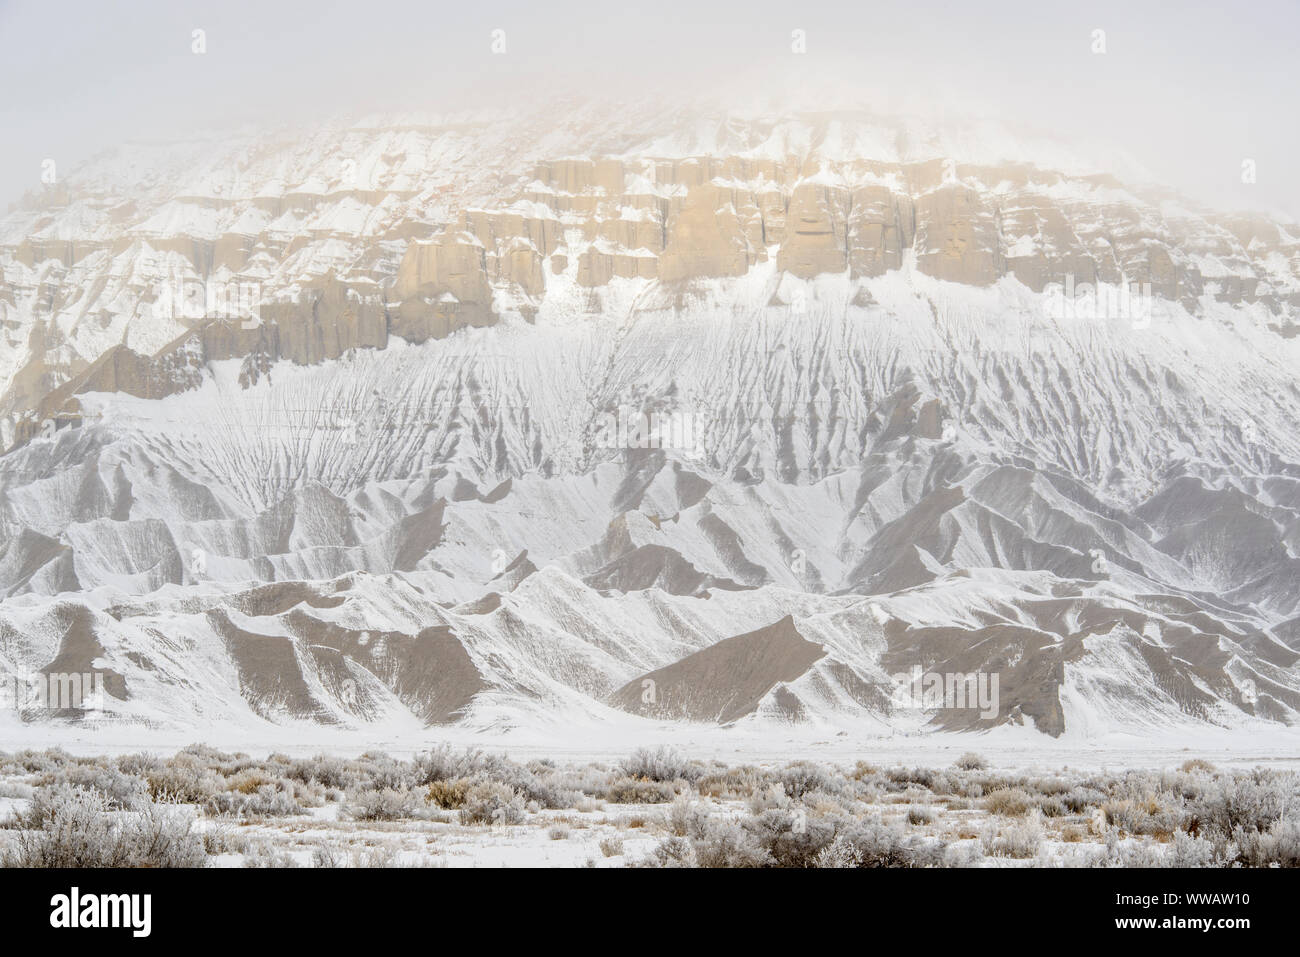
(453, 807)
(1018, 749)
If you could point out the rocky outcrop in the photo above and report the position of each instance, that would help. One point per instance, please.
(814, 235)
(443, 286)
(880, 229)
(426, 251)
(958, 237)
(705, 239)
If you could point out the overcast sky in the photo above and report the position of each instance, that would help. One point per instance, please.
(1189, 89)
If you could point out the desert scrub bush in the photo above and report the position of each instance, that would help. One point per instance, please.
(249, 780)
(962, 855)
(34, 762)
(839, 853)
(820, 802)
(801, 777)
(880, 844)
(1049, 787)
(558, 832)
(1131, 853)
(1079, 800)
(1151, 815)
(611, 846)
(1187, 851)
(206, 754)
(970, 761)
(1253, 801)
(686, 818)
(448, 795)
(138, 765)
(16, 789)
(1052, 807)
(546, 790)
(269, 800)
(902, 779)
(332, 855)
(671, 852)
(740, 781)
(266, 854)
(307, 795)
(661, 764)
(330, 773)
(794, 838)
(629, 790)
(727, 844)
(383, 772)
(224, 840)
(1279, 846)
(1008, 802)
(491, 802)
(387, 804)
(910, 795)
(917, 816)
(182, 780)
(326, 854)
(1073, 834)
(539, 781)
(589, 781)
(122, 792)
(445, 763)
(1019, 840)
(765, 799)
(1197, 764)
(75, 828)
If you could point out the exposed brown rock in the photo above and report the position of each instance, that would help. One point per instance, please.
(704, 239)
(957, 237)
(815, 232)
(725, 681)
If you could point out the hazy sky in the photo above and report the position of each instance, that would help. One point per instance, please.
(1189, 89)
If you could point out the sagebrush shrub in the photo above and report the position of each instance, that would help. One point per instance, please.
(629, 790)
(1159, 815)
(1009, 802)
(920, 815)
(660, 764)
(611, 846)
(448, 795)
(491, 802)
(269, 800)
(1020, 840)
(970, 761)
(1251, 801)
(122, 792)
(1279, 846)
(74, 827)
(386, 804)
(802, 777)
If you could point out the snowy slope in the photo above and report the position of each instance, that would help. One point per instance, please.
(407, 495)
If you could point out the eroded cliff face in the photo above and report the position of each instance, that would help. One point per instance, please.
(345, 409)
(460, 225)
